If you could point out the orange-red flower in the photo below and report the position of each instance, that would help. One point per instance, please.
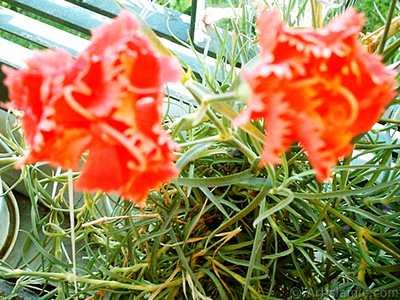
(107, 102)
(320, 88)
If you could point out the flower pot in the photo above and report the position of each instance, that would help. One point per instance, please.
(9, 220)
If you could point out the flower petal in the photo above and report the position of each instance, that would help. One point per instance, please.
(107, 101)
(316, 87)
(112, 167)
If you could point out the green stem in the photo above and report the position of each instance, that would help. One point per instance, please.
(8, 160)
(17, 273)
(387, 27)
(229, 113)
(223, 132)
(214, 138)
(236, 276)
(212, 98)
(390, 51)
(200, 93)
(129, 239)
(72, 223)
(386, 120)
(244, 149)
(361, 231)
(244, 212)
(337, 214)
(316, 14)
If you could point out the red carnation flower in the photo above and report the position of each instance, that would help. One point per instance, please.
(320, 88)
(107, 102)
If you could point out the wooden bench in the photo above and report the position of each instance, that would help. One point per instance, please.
(79, 16)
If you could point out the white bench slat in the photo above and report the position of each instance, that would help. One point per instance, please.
(12, 54)
(40, 33)
(63, 12)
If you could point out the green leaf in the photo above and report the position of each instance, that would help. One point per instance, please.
(216, 181)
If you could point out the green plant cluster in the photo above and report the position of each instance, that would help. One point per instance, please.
(224, 229)
(184, 6)
(375, 11)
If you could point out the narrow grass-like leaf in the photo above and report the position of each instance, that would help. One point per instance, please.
(216, 181)
(261, 195)
(255, 253)
(274, 209)
(188, 155)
